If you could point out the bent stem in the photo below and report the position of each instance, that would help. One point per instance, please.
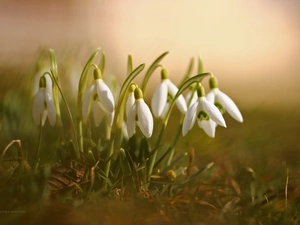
(183, 87)
(81, 86)
(116, 129)
(76, 147)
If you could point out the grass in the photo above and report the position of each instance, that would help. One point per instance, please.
(254, 178)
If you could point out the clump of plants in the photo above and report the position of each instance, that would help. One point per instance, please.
(111, 145)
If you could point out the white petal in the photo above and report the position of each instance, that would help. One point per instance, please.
(213, 112)
(131, 121)
(98, 112)
(124, 129)
(167, 106)
(105, 96)
(44, 117)
(190, 118)
(145, 119)
(180, 101)
(208, 126)
(211, 96)
(38, 106)
(130, 102)
(50, 109)
(86, 102)
(230, 106)
(159, 99)
(110, 118)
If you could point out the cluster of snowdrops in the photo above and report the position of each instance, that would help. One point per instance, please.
(128, 112)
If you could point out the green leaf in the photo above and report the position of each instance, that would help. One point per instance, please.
(53, 64)
(200, 65)
(82, 82)
(188, 72)
(129, 65)
(102, 63)
(150, 71)
(123, 90)
(124, 163)
(55, 91)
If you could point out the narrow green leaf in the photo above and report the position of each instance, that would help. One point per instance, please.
(188, 72)
(102, 65)
(124, 163)
(82, 82)
(150, 71)
(200, 65)
(124, 87)
(53, 63)
(129, 65)
(55, 91)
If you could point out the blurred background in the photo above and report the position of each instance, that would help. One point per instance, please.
(252, 47)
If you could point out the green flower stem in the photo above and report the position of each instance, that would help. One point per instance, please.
(54, 87)
(116, 129)
(183, 87)
(76, 147)
(81, 86)
(153, 158)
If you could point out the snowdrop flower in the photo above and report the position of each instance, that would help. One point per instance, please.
(162, 95)
(206, 114)
(139, 114)
(222, 101)
(43, 105)
(101, 98)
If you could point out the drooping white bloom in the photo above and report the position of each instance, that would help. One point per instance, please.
(206, 114)
(43, 105)
(162, 95)
(101, 98)
(222, 101)
(139, 114)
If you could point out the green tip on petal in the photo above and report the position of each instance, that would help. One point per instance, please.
(132, 87)
(213, 83)
(42, 83)
(200, 91)
(97, 74)
(138, 93)
(164, 74)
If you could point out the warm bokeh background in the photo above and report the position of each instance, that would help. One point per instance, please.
(253, 46)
